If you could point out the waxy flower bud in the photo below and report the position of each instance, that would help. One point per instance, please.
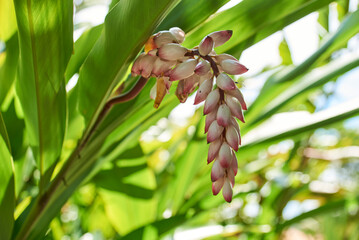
(178, 33)
(181, 95)
(224, 56)
(190, 83)
(232, 137)
(234, 165)
(164, 37)
(202, 68)
(235, 107)
(183, 70)
(227, 191)
(204, 89)
(220, 37)
(206, 46)
(237, 94)
(235, 124)
(213, 150)
(217, 186)
(225, 155)
(233, 67)
(209, 119)
(143, 65)
(217, 171)
(223, 115)
(171, 51)
(161, 66)
(214, 132)
(211, 101)
(224, 82)
(230, 176)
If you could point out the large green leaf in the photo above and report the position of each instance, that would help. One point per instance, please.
(7, 19)
(45, 37)
(8, 68)
(7, 186)
(254, 20)
(127, 26)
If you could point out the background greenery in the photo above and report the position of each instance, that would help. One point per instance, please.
(143, 175)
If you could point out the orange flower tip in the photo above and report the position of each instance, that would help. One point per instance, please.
(156, 105)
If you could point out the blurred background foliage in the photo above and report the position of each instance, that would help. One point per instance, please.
(145, 174)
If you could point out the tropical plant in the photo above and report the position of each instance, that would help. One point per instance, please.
(74, 163)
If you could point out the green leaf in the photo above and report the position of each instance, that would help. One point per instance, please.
(82, 48)
(127, 26)
(284, 53)
(248, 26)
(8, 68)
(45, 37)
(188, 14)
(7, 19)
(7, 186)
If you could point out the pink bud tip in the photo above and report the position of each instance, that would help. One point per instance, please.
(233, 67)
(232, 137)
(202, 68)
(234, 164)
(237, 94)
(209, 119)
(227, 191)
(213, 150)
(221, 37)
(224, 82)
(217, 171)
(171, 51)
(235, 107)
(204, 89)
(206, 46)
(214, 132)
(164, 37)
(217, 186)
(225, 155)
(223, 115)
(211, 101)
(183, 70)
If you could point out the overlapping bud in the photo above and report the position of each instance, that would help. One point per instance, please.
(168, 61)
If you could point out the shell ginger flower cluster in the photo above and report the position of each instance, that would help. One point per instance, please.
(167, 60)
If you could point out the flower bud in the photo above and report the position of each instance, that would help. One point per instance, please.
(171, 51)
(160, 67)
(217, 186)
(206, 46)
(235, 124)
(213, 150)
(214, 132)
(224, 56)
(161, 91)
(202, 68)
(181, 95)
(164, 37)
(237, 94)
(224, 82)
(230, 177)
(211, 101)
(183, 70)
(190, 83)
(143, 65)
(227, 191)
(234, 164)
(220, 37)
(223, 115)
(153, 52)
(204, 89)
(217, 171)
(209, 119)
(208, 75)
(235, 107)
(178, 33)
(232, 137)
(225, 155)
(233, 67)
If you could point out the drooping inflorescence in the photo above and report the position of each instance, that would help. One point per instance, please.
(166, 60)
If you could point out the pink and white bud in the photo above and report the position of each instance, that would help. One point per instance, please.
(234, 164)
(206, 46)
(153, 52)
(208, 75)
(214, 132)
(233, 67)
(224, 82)
(211, 101)
(178, 33)
(143, 65)
(160, 67)
(235, 107)
(213, 150)
(232, 137)
(220, 37)
(217, 171)
(237, 94)
(223, 115)
(183, 70)
(217, 186)
(227, 191)
(204, 89)
(230, 177)
(164, 37)
(181, 95)
(224, 56)
(171, 51)
(202, 68)
(225, 155)
(190, 83)
(235, 125)
(209, 119)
